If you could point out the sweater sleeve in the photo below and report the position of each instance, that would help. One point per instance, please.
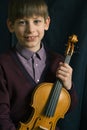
(5, 120)
(74, 98)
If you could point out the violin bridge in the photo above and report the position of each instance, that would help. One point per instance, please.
(42, 128)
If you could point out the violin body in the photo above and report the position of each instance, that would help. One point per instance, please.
(39, 121)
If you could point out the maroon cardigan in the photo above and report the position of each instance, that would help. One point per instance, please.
(16, 87)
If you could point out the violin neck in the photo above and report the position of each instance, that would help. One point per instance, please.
(67, 59)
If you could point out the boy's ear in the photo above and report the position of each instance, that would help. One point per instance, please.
(47, 23)
(10, 26)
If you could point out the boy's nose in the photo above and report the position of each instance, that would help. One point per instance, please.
(29, 28)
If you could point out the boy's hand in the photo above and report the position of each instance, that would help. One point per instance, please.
(64, 73)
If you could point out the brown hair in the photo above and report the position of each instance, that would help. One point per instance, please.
(26, 8)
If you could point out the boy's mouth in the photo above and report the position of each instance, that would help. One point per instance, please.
(31, 38)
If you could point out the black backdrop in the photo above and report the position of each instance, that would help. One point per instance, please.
(67, 17)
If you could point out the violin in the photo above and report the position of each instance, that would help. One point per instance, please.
(50, 100)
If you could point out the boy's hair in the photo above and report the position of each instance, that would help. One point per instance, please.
(26, 8)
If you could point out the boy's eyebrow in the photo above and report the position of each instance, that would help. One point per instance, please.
(36, 17)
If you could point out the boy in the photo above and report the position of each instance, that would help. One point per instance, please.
(29, 63)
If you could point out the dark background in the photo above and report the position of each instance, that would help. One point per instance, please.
(67, 17)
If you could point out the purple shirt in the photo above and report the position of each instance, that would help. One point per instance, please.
(34, 62)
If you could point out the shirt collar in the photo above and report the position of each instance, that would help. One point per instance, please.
(27, 54)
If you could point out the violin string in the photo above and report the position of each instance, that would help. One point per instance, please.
(54, 99)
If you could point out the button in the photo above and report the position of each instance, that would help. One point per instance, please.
(36, 64)
(37, 80)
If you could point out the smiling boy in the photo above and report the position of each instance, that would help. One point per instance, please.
(29, 63)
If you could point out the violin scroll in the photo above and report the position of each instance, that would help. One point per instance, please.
(70, 46)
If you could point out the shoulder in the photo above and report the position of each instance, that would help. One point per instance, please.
(54, 56)
(6, 57)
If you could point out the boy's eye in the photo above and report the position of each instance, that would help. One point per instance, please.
(37, 21)
(22, 22)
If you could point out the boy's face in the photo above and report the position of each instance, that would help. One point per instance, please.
(29, 31)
